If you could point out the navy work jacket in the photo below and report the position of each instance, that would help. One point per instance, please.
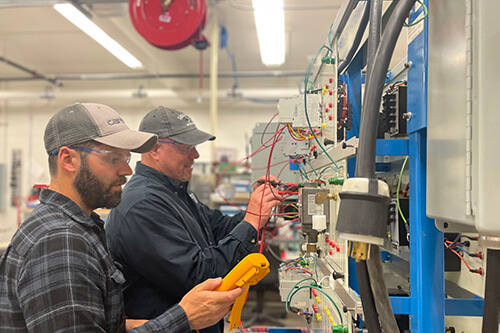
(168, 242)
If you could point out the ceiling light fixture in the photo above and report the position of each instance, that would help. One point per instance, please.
(269, 18)
(75, 16)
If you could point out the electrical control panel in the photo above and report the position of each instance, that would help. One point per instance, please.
(292, 110)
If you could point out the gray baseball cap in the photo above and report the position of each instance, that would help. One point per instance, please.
(82, 122)
(173, 124)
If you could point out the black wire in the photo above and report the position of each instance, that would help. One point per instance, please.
(357, 39)
(380, 295)
(365, 291)
(492, 292)
(365, 164)
(274, 255)
(374, 33)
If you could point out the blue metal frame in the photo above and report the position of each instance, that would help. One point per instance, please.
(426, 305)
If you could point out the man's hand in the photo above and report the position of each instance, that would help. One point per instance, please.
(263, 181)
(266, 194)
(205, 307)
(130, 324)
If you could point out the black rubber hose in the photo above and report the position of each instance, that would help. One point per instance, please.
(365, 165)
(375, 30)
(357, 39)
(491, 292)
(370, 313)
(380, 296)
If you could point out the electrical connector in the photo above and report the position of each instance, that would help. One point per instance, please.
(477, 255)
(477, 271)
(328, 60)
(336, 181)
(359, 250)
(340, 329)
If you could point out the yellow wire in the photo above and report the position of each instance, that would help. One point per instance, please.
(297, 135)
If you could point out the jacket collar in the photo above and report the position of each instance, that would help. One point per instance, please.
(146, 171)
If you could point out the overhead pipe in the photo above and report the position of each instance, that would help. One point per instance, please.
(45, 3)
(34, 74)
(116, 76)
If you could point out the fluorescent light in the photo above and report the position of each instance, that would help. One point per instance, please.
(72, 14)
(270, 23)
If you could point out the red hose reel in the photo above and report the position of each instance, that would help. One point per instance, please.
(170, 24)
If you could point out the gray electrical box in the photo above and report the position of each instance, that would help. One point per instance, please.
(463, 136)
(292, 110)
(280, 163)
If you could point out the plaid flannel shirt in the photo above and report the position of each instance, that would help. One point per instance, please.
(57, 276)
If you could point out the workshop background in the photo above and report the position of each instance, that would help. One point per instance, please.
(216, 75)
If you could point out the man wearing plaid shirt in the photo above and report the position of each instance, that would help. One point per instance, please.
(57, 274)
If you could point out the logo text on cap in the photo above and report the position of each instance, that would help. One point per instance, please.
(115, 121)
(189, 121)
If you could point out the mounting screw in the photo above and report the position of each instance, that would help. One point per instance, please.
(406, 115)
(408, 65)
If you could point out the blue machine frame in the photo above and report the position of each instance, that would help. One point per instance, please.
(426, 241)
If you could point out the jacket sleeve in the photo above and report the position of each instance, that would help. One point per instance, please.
(174, 320)
(154, 241)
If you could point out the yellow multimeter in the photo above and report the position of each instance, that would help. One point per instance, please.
(248, 272)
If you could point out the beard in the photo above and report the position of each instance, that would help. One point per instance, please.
(94, 192)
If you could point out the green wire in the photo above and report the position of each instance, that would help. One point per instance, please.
(329, 32)
(426, 13)
(307, 160)
(397, 191)
(306, 81)
(293, 292)
(288, 297)
(289, 261)
(322, 171)
(303, 173)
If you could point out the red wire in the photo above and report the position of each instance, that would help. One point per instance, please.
(299, 268)
(275, 164)
(458, 254)
(267, 178)
(283, 168)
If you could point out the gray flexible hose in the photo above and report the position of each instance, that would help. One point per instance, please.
(365, 164)
(370, 317)
(380, 296)
(375, 30)
(357, 39)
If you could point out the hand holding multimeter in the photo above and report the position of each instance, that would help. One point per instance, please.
(248, 272)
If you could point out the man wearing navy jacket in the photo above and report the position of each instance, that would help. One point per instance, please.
(166, 240)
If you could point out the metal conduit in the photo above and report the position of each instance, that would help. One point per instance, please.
(89, 77)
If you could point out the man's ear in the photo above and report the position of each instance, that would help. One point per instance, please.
(153, 153)
(68, 159)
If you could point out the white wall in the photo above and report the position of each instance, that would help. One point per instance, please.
(22, 127)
